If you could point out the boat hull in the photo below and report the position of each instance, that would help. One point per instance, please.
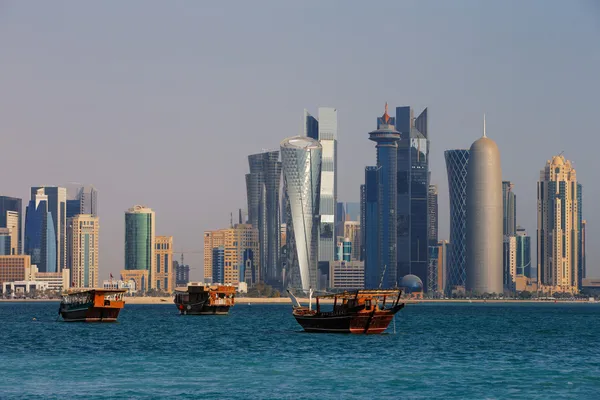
(203, 310)
(358, 323)
(91, 314)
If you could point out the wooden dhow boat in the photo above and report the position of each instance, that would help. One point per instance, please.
(204, 299)
(360, 311)
(93, 305)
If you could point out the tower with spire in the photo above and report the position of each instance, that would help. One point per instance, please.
(380, 196)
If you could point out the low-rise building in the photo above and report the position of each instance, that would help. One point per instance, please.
(130, 285)
(139, 276)
(23, 287)
(347, 275)
(14, 268)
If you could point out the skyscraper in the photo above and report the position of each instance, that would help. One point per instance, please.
(510, 266)
(352, 232)
(371, 226)
(484, 217)
(523, 253)
(262, 186)
(581, 236)
(140, 243)
(165, 275)
(301, 159)
(5, 242)
(557, 241)
(84, 247)
(509, 207)
(40, 234)
(13, 224)
(212, 240)
(9, 208)
(432, 205)
(57, 207)
(457, 162)
(385, 186)
(413, 188)
(84, 200)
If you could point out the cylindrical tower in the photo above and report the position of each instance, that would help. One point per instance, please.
(301, 161)
(484, 217)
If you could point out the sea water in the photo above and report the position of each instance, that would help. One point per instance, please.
(447, 351)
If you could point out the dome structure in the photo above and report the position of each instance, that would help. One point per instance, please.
(412, 284)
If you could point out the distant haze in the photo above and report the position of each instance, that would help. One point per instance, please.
(159, 103)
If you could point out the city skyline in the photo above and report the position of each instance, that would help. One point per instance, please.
(458, 77)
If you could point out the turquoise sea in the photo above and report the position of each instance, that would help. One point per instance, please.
(446, 351)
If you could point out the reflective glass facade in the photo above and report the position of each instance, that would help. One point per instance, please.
(57, 206)
(523, 253)
(509, 209)
(581, 237)
(371, 223)
(301, 159)
(456, 165)
(5, 244)
(218, 264)
(262, 190)
(413, 191)
(12, 204)
(40, 237)
(432, 205)
(328, 127)
(139, 241)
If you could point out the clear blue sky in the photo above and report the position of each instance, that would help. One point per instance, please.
(159, 103)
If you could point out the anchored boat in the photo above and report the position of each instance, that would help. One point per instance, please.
(204, 299)
(360, 311)
(93, 305)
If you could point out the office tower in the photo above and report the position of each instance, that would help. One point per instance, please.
(457, 162)
(212, 240)
(165, 275)
(182, 272)
(509, 207)
(139, 244)
(310, 126)
(413, 187)
(432, 205)
(10, 208)
(371, 226)
(581, 236)
(382, 184)
(432, 269)
(583, 254)
(557, 240)
(509, 269)
(442, 262)
(484, 217)
(5, 242)
(240, 249)
(84, 250)
(40, 234)
(340, 217)
(57, 207)
(353, 233)
(82, 200)
(347, 275)
(523, 253)
(301, 159)
(262, 186)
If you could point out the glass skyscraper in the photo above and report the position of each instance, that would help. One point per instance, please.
(509, 206)
(57, 207)
(386, 137)
(413, 188)
(370, 229)
(301, 161)
(457, 162)
(581, 272)
(523, 253)
(262, 188)
(12, 204)
(40, 236)
(84, 201)
(140, 241)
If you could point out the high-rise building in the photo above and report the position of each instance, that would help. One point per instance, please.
(84, 250)
(381, 183)
(182, 272)
(310, 126)
(353, 233)
(412, 211)
(484, 217)
(262, 186)
(509, 209)
(82, 200)
(371, 226)
(10, 208)
(523, 253)
(432, 205)
(165, 275)
(442, 262)
(301, 159)
(557, 240)
(509, 270)
(457, 162)
(238, 246)
(40, 235)
(5, 242)
(140, 243)
(57, 207)
(581, 236)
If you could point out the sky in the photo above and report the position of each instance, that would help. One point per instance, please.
(159, 103)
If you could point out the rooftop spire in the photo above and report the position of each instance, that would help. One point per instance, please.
(484, 135)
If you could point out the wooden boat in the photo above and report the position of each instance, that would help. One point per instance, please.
(360, 311)
(93, 305)
(204, 299)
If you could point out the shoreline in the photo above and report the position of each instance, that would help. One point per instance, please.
(286, 300)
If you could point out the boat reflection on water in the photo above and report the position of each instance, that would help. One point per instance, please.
(360, 311)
